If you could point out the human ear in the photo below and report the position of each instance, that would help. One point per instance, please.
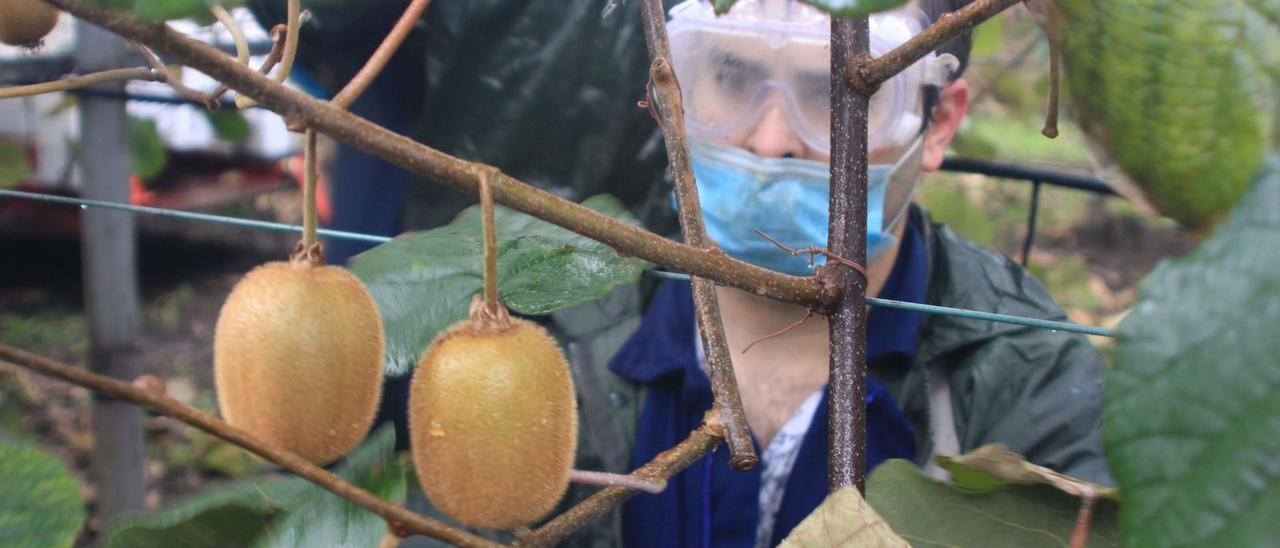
(953, 103)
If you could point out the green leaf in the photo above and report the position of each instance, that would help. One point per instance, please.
(272, 508)
(228, 125)
(994, 466)
(146, 148)
(926, 512)
(165, 10)
(1182, 97)
(423, 282)
(329, 520)
(231, 514)
(838, 8)
(40, 502)
(1192, 424)
(14, 166)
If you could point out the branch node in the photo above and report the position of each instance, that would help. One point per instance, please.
(858, 77)
(813, 251)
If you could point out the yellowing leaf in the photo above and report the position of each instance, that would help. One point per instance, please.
(994, 465)
(844, 519)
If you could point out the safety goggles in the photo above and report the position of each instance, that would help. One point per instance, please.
(775, 54)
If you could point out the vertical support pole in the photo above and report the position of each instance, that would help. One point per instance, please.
(847, 389)
(1031, 223)
(108, 260)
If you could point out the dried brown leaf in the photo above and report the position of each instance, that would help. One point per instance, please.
(844, 519)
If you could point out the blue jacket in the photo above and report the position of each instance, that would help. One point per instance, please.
(708, 504)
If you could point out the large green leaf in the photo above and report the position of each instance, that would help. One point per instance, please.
(839, 8)
(423, 282)
(1181, 94)
(927, 512)
(272, 509)
(164, 10)
(329, 520)
(228, 515)
(39, 500)
(1192, 425)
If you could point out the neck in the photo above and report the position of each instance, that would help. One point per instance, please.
(778, 374)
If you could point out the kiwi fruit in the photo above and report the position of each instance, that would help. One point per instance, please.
(493, 421)
(25, 22)
(297, 357)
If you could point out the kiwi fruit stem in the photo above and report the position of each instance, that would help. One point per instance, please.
(490, 313)
(309, 190)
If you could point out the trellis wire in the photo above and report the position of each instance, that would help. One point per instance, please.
(189, 216)
(281, 227)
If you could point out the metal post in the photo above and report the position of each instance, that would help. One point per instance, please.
(110, 279)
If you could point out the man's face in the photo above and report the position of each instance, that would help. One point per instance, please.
(769, 92)
(772, 100)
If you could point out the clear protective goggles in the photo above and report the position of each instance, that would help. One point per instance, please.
(775, 54)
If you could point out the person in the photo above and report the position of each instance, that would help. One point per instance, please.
(755, 84)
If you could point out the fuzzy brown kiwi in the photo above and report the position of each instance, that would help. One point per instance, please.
(24, 22)
(298, 358)
(493, 422)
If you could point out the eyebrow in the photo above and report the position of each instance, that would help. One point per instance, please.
(817, 79)
(732, 60)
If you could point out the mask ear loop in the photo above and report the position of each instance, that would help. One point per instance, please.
(910, 176)
(938, 71)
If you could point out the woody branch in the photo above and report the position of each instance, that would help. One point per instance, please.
(855, 76)
(399, 518)
(670, 109)
(443, 168)
(865, 75)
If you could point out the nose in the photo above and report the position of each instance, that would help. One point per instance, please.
(773, 137)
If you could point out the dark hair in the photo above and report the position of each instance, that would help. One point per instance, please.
(958, 46)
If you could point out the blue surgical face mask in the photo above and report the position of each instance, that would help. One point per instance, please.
(789, 200)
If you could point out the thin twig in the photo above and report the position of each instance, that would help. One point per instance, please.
(293, 34)
(86, 80)
(293, 27)
(807, 314)
(605, 479)
(273, 58)
(813, 251)
(237, 34)
(168, 77)
(1055, 80)
(670, 108)
(378, 61)
(451, 171)
(395, 515)
(1080, 535)
(666, 464)
(868, 77)
(647, 102)
(1013, 64)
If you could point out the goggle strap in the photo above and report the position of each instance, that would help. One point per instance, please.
(939, 70)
